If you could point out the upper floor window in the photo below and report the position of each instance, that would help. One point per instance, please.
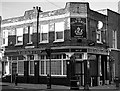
(30, 32)
(19, 36)
(99, 30)
(99, 40)
(114, 42)
(5, 37)
(44, 33)
(59, 31)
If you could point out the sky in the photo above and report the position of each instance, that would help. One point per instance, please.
(15, 8)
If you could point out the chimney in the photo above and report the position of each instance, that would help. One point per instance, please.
(37, 8)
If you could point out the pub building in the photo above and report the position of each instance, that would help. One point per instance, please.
(76, 36)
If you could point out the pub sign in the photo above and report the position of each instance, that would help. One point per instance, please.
(78, 27)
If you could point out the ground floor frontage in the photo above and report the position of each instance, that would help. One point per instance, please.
(33, 65)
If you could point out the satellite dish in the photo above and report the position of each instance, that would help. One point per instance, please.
(100, 24)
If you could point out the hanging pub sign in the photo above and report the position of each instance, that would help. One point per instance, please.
(78, 27)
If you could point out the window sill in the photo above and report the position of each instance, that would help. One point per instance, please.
(31, 74)
(30, 43)
(99, 42)
(42, 42)
(20, 74)
(19, 44)
(61, 40)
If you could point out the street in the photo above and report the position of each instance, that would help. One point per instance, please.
(38, 87)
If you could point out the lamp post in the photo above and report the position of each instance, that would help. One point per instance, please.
(48, 51)
(38, 10)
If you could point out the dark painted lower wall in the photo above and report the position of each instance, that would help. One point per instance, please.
(42, 80)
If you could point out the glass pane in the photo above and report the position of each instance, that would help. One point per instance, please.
(19, 39)
(59, 35)
(3, 40)
(59, 26)
(44, 28)
(47, 67)
(20, 67)
(44, 36)
(31, 67)
(19, 31)
(42, 67)
(64, 68)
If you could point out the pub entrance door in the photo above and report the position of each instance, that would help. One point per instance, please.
(79, 72)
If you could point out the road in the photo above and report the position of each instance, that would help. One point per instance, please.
(24, 87)
(16, 88)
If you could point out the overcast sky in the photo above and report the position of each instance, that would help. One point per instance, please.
(15, 8)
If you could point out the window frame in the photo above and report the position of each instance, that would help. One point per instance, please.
(114, 39)
(62, 72)
(41, 33)
(30, 33)
(5, 38)
(18, 67)
(99, 36)
(19, 35)
(31, 74)
(57, 30)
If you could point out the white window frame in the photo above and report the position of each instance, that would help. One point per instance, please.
(19, 35)
(98, 36)
(30, 67)
(44, 29)
(45, 64)
(5, 37)
(114, 41)
(30, 32)
(59, 27)
(18, 66)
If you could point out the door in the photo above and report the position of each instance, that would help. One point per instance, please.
(79, 71)
(14, 71)
(26, 71)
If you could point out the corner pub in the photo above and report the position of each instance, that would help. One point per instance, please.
(76, 37)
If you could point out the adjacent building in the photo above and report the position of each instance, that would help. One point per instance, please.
(0, 48)
(84, 43)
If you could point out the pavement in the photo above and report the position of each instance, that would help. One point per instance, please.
(44, 86)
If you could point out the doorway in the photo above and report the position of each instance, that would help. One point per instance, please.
(14, 71)
(79, 72)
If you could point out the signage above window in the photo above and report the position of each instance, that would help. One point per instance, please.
(78, 27)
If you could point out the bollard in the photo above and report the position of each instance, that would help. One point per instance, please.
(48, 82)
(16, 79)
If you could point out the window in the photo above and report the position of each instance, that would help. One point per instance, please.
(58, 65)
(21, 67)
(64, 67)
(44, 33)
(59, 31)
(99, 36)
(30, 31)
(55, 67)
(5, 37)
(19, 35)
(31, 64)
(42, 67)
(114, 45)
(30, 57)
